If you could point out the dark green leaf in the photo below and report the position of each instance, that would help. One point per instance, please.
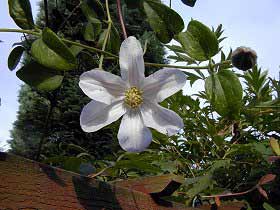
(136, 164)
(199, 41)
(72, 164)
(164, 21)
(14, 57)
(47, 57)
(39, 76)
(92, 9)
(224, 92)
(20, 11)
(133, 4)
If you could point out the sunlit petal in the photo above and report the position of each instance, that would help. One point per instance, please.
(133, 135)
(163, 84)
(102, 86)
(163, 120)
(132, 62)
(95, 115)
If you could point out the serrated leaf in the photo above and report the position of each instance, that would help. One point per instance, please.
(54, 43)
(21, 12)
(192, 77)
(224, 91)
(275, 145)
(199, 41)
(47, 57)
(163, 20)
(176, 48)
(39, 76)
(15, 57)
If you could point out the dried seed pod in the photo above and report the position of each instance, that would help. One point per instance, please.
(244, 58)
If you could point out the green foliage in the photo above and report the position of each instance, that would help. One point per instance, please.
(224, 91)
(40, 77)
(48, 58)
(20, 11)
(15, 56)
(113, 43)
(55, 44)
(164, 21)
(199, 41)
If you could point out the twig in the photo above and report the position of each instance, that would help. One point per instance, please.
(230, 194)
(46, 12)
(121, 19)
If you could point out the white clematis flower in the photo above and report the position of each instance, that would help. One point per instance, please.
(132, 96)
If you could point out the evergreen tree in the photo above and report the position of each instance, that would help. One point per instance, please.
(64, 105)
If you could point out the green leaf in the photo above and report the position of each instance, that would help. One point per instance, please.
(133, 4)
(20, 11)
(92, 30)
(72, 164)
(49, 58)
(268, 207)
(39, 76)
(199, 41)
(192, 77)
(137, 164)
(164, 21)
(275, 146)
(54, 43)
(113, 43)
(224, 91)
(14, 57)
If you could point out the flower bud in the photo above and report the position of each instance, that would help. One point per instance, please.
(244, 58)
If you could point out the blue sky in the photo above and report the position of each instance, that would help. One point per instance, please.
(252, 23)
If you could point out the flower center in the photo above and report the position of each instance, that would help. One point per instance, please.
(133, 97)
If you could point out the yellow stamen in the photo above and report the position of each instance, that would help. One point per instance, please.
(133, 97)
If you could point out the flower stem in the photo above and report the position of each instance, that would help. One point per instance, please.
(107, 34)
(121, 19)
(112, 56)
(230, 194)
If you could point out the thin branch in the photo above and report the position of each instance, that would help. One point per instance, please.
(46, 12)
(121, 19)
(107, 34)
(230, 194)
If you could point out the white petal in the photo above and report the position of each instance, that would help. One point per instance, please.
(102, 86)
(96, 115)
(133, 135)
(163, 84)
(163, 120)
(132, 61)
